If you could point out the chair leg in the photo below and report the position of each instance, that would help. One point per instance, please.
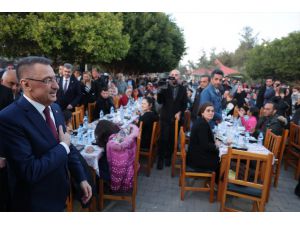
(212, 188)
(182, 187)
(149, 165)
(173, 165)
(261, 207)
(101, 194)
(297, 174)
(277, 173)
(223, 201)
(69, 204)
(133, 203)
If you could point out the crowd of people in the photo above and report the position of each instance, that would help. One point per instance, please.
(36, 154)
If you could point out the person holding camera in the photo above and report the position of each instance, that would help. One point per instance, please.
(173, 99)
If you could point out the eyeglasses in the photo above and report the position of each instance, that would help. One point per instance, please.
(174, 74)
(47, 80)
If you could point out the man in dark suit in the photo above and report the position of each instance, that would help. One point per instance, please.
(39, 156)
(69, 93)
(173, 99)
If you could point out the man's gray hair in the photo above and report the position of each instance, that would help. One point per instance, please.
(68, 66)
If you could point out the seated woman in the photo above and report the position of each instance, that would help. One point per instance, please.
(125, 97)
(203, 153)
(249, 120)
(148, 117)
(117, 162)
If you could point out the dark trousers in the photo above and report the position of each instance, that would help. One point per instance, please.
(166, 141)
(4, 191)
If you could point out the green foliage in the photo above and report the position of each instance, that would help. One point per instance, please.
(72, 37)
(156, 44)
(279, 58)
(247, 42)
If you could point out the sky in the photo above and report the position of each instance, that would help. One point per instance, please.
(221, 30)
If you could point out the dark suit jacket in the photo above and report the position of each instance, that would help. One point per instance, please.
(202, 153)
(6, 96)
(72, 95)
(38, 165)
(170, 106)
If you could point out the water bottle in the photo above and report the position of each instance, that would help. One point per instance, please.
(112, 110)
(101, 115)
(85, 122)
(236, 138)
(247, 137)
(260, 138)
(79, 134)
(121, 113)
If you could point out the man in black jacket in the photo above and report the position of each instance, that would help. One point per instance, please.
(203, 83)
(104, 103)
(173, 98)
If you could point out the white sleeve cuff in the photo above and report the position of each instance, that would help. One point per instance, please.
(66, 147)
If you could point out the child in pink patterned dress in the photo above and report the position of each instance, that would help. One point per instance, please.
(249, 120)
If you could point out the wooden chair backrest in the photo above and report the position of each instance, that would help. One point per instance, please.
(187, 120)
(294, 135)
(182, 145)
(136, 164)
(153, 136)
(81, 110)
(116, 101)
(91, 108)
(285, 135)
(245, 175)
(273, 143)
(176, 136)
(76, 119)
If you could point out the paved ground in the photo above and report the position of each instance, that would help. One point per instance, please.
(160, 193)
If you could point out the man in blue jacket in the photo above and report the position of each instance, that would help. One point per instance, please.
(38, 151)
(213, 94)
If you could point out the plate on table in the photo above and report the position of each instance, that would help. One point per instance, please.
(89, 149)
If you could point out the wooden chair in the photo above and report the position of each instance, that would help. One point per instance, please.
(76, 119)
(244, 182)
(272, 143)
(187, 120)
(128, 196)
(292, 156)
(187, 172)
(277, 166)
(91, 108)
(149, 152)
(116, 101)
(176, 153)
(81, 110)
